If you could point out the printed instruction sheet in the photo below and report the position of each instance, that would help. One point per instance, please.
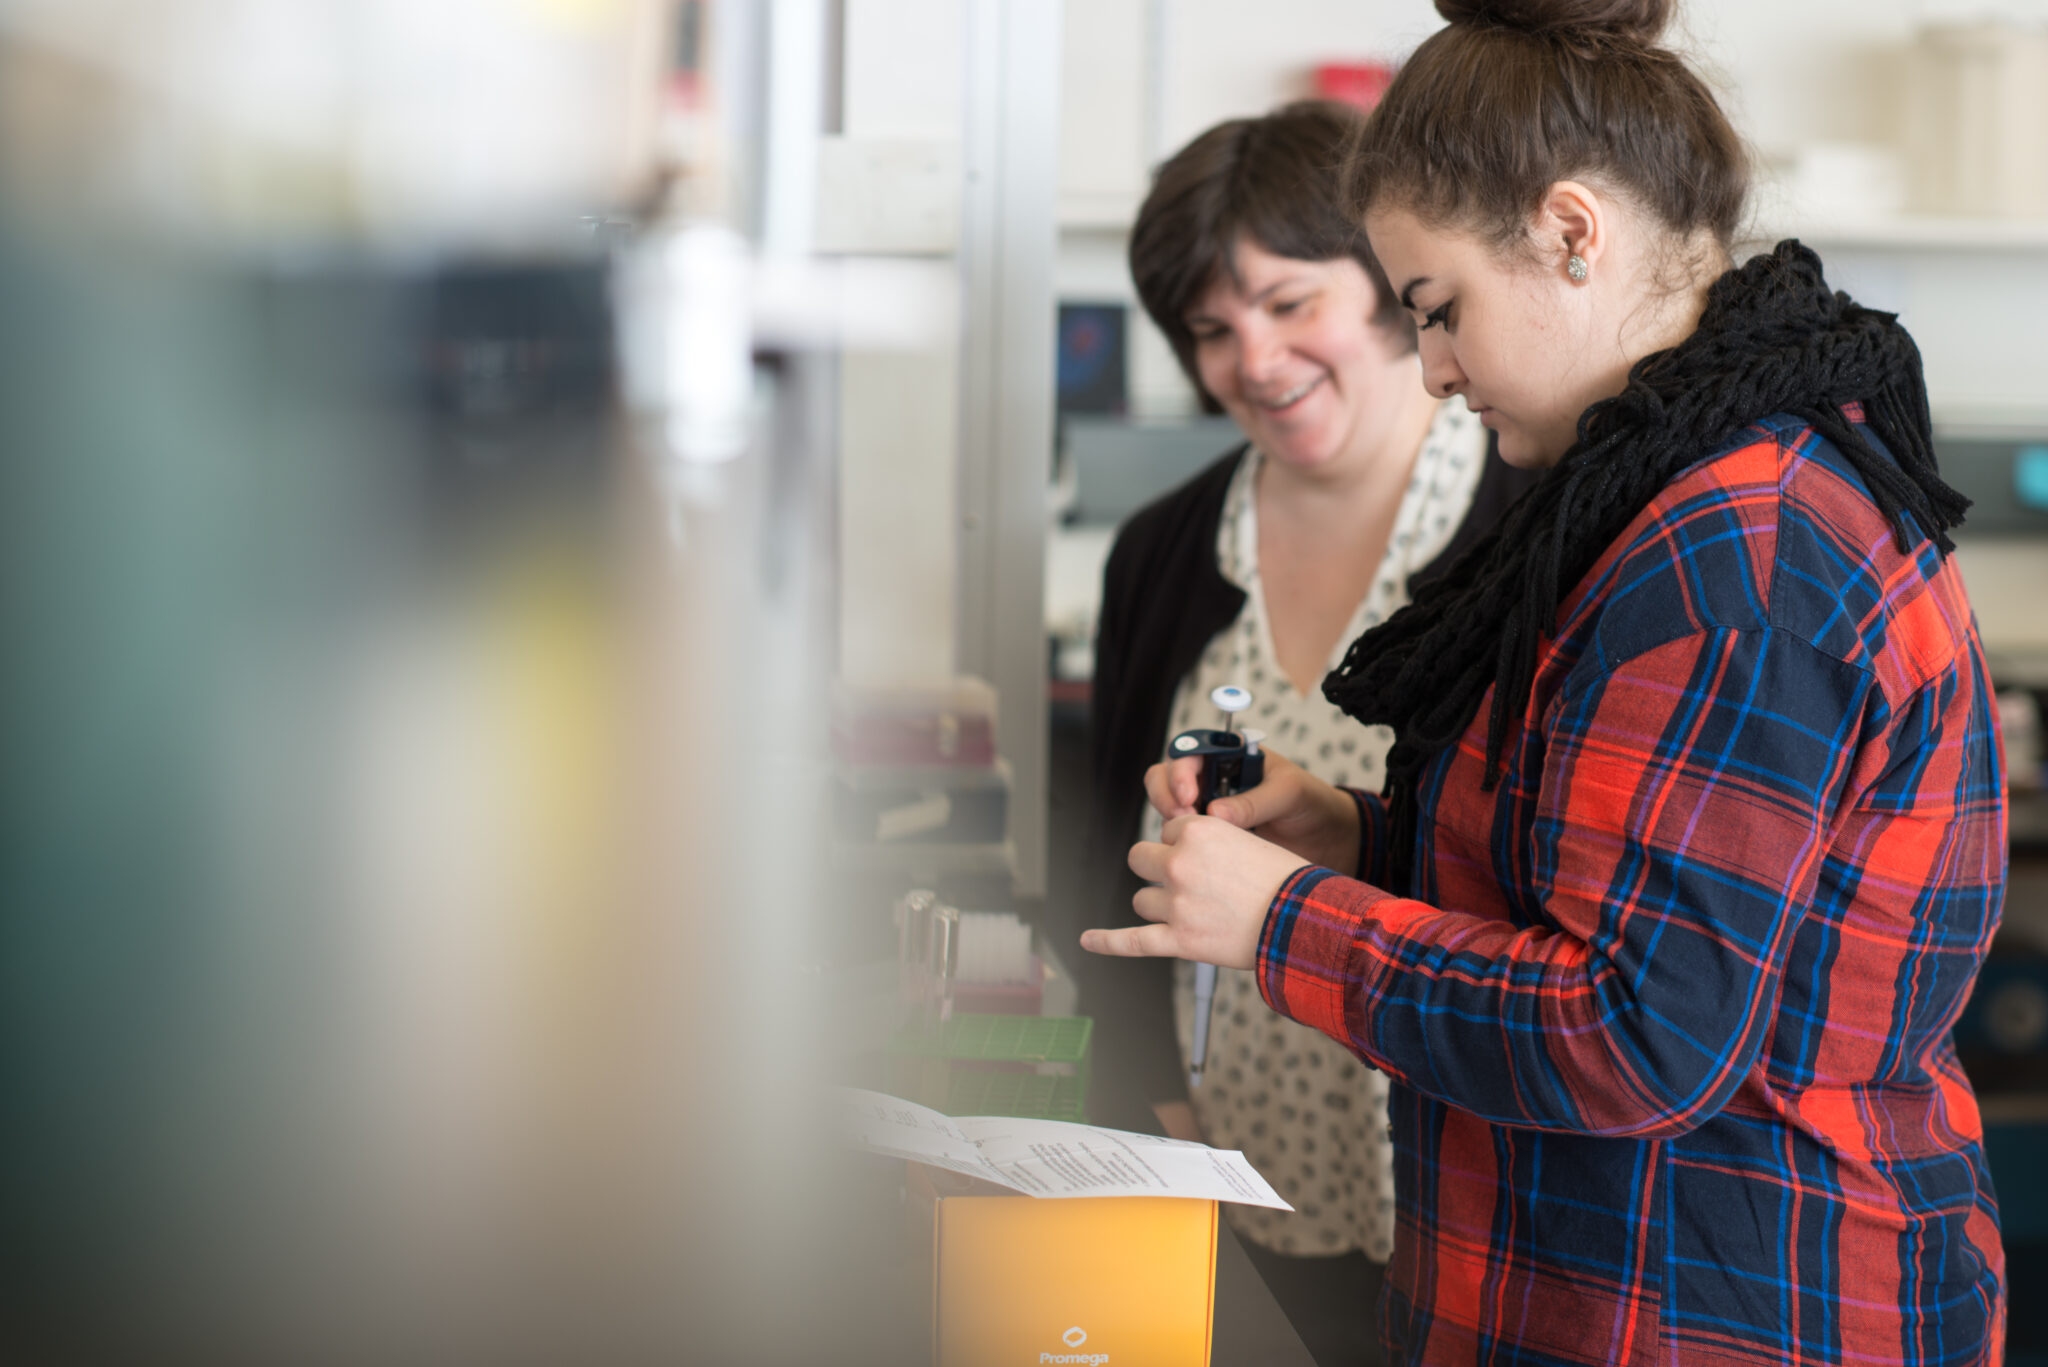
(1051, 1157)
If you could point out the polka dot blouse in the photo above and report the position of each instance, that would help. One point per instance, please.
(1306, 1112)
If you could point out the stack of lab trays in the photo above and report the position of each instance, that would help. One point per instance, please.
(1008, 1062)
(917, 785)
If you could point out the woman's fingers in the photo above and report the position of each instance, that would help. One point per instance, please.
(1154, 904)
(1298, 811)
(1172, 787)
(1274, 799)
(1209, 882)
(1210, 887)
(1148, 860)
(1132, 942)
(1159, 789)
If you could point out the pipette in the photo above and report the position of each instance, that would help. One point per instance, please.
(1231, 763)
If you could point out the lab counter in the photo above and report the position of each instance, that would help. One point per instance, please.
(1250, 1327)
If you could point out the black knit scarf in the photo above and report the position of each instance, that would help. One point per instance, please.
(1773, 339)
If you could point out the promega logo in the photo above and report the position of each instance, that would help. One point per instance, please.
(1074, 1338)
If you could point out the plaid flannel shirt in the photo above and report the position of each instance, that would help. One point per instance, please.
(1668, 1015)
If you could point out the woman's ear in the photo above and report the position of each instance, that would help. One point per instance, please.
(1571, 229)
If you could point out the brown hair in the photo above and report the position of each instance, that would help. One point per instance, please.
(1277, 181)
(1518, 94)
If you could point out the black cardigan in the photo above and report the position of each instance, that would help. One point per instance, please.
(1163, 599)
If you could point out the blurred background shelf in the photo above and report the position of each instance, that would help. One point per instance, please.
(1916, 233)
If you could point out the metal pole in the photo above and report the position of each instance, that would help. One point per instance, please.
(1008, 239)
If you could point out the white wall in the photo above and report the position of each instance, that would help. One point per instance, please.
(899, 419)
(1219, 64)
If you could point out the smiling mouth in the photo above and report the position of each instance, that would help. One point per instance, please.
(1292, 396)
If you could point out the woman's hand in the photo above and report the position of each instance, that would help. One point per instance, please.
(1292, 808)
(1214, 883)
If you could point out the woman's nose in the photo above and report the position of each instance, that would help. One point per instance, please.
(1258, 354)
(1440, 373)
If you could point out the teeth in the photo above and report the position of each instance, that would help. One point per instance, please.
(1293, 394)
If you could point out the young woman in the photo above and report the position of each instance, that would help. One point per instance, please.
(1694, 832)
(1258, 572)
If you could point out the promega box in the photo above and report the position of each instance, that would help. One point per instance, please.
(1107, 1281)
(1055, 1242)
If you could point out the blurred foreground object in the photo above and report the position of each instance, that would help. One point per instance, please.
(405, 857)
(296, 124)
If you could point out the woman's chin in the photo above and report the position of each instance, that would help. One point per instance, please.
(1519, 451)
(1301, 446)
(1298, 455)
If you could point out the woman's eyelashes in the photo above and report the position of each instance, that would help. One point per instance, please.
(1440, 316)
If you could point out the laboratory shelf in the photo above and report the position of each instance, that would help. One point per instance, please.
(1914, 232)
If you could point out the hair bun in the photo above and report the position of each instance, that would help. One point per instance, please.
(1643, 20)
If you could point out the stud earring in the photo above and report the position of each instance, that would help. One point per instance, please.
(1576, 269)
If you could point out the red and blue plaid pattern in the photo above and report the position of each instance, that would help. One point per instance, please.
(1668, 1015)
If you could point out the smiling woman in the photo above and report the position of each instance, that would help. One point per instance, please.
(1282, 344)
(1257, 573)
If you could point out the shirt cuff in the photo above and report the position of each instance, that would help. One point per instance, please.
(1306, 948)
(1372, 835)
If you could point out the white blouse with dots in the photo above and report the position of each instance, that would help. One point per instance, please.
(1306, 1112)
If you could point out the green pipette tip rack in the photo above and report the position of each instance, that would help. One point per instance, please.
(977, 1091)
(1032, 1066)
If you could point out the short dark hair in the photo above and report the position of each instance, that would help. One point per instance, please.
(1515, 95)
(1276, 181)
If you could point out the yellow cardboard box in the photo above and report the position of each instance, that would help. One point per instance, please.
(1105, 1281)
